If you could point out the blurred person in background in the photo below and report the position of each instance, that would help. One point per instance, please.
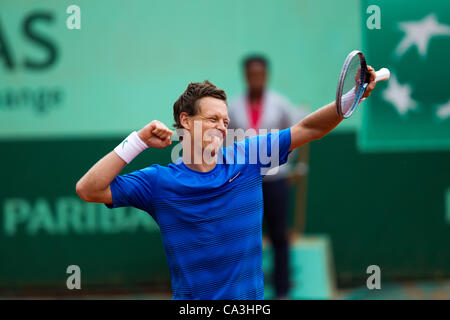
(262, 108)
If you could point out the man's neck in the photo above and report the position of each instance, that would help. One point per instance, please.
(194, 160)
(202, 167)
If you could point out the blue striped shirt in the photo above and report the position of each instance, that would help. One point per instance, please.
(210, 222)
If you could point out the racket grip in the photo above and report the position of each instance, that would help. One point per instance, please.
(382, 75)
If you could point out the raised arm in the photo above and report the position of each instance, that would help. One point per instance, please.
(94, 186)
(319, 123)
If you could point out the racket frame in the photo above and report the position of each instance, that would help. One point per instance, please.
(361, 87)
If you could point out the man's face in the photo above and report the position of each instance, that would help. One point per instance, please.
(213, 121)
(256, 76)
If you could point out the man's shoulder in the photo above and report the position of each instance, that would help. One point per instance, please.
(156, 169)
(159, 174)
(277, 96)
(238, 99)
(270, 93)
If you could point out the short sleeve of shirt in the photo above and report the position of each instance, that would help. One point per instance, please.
(267, 151)
(133, 189)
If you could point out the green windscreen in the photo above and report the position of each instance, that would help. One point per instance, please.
(129, 63)
(412, 110)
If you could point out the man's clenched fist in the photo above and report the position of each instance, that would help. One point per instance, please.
(156, 134)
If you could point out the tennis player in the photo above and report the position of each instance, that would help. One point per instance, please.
(208, 204)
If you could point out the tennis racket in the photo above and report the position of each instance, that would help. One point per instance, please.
(353, 81)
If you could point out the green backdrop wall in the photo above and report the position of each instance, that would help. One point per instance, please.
(384, 209)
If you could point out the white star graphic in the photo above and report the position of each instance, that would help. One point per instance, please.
(443, 111)
(399, 96)
(419, 33)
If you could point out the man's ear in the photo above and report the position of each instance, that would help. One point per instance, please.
(184, 120)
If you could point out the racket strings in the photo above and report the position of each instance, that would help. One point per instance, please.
(353, 86)
(353, 77)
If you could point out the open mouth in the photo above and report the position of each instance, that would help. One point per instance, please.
(216, 134)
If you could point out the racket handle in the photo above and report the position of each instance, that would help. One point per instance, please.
(383, 74)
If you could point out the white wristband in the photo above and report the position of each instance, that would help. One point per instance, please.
(347, 100)
(129, 148)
